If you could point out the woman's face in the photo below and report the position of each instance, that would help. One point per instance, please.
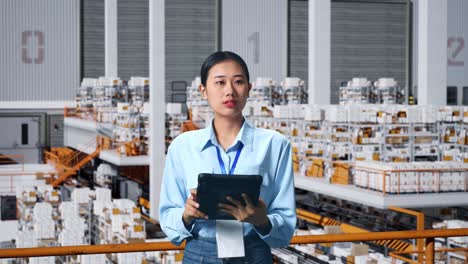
(226, 89)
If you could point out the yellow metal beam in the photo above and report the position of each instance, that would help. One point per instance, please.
(162, 246)
(371, 236)
(149, 219)
(143, 202)
(347, 228)
(71, 171)
(419, 226)
(396, 256)
(429, 250)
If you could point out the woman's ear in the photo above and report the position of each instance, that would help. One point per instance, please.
(250, 88)
(202, 90)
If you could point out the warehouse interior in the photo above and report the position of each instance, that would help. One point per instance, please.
(372, 95)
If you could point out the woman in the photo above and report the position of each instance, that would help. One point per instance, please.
(225, 84)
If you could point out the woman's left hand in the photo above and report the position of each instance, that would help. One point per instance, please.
(256, 215)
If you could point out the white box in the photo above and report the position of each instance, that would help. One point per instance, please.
(174, 108)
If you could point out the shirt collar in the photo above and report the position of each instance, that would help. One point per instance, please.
(245, 136)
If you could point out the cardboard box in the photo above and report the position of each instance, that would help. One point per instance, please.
(331, 230)
(316, 169)
(359, 249)
(423, 140)
(295, 160)
(341, 173)
(456, 261)
(376, 156)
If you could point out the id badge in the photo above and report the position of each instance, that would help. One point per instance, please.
(230, 239)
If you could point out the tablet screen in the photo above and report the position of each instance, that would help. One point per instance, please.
(213, 189)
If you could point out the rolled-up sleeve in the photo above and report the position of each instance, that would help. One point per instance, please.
(172, 200)
(282, 210)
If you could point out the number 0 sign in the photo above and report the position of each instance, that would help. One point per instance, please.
(26, 53)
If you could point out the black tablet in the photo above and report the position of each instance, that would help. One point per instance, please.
(213, 189)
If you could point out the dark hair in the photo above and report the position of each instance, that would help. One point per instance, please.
(220, 56)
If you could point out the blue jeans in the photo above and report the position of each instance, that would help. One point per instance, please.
(199, 250)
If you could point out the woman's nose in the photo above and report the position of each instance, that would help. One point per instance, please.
(228, 88)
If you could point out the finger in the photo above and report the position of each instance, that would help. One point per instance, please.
(261, 203)
(247, 200)
(200, 214)
(193, 203)
(190, 212)
(231, 213)
(195, 213)
(193, 193)
(228, 207)
(234, 201)
(189, 207)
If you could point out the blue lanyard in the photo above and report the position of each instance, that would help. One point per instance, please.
(221, 162)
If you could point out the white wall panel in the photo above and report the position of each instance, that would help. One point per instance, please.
(133, 38)
(457, 45)
(39, 49)
(257, 31)
(190, 38)
(298, 41)
(92, 38)
(368, 39)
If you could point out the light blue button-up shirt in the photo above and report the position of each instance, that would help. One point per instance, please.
(266, 153)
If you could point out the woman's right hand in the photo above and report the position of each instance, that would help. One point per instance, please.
(191, 211)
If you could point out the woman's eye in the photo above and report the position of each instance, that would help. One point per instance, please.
(219, 82)
(239, 82)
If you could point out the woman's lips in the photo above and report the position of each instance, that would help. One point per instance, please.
(230, 103)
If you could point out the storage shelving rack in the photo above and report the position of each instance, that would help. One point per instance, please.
(138, 91)
(462, 256)
(338, 154)
(144, 133)
(425, 142)
(449, 146)
(339, 139)
(85, 211)
(367, 141)
(312, 148)
(390, 95)
(84, 98)
(357, 95)
(463, 138)
(396, 145)
(127, 132)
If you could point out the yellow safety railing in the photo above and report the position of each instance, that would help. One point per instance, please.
(419, 225)
(400, 247)
(428, 235)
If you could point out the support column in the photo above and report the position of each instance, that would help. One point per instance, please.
(429, 250)
(110, 38)
(157, 101)
(432, 52)
(319, 51)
